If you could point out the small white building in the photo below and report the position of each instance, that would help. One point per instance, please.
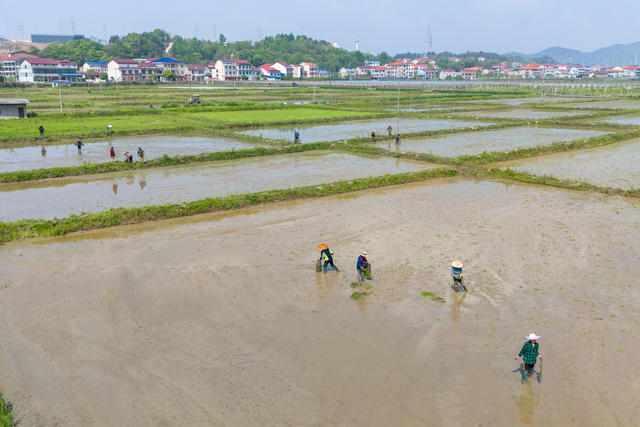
(13, 108)
(310, 70)
(98, 67)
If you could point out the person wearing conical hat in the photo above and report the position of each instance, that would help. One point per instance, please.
(326, 255)
(456, 273)
(530, 354)
(361, 266)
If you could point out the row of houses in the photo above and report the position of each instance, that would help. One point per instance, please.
(30, 68)
(428, 69)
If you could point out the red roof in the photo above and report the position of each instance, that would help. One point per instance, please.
(42, 61)
(242, 61)
(449, 70)
(147, 65)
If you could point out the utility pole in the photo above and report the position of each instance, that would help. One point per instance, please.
(429, 41)
(60, 89)
(314, 94)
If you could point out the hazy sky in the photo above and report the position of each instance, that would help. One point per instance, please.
(394, 26)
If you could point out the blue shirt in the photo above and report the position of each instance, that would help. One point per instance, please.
(456, 271)
(361, 261)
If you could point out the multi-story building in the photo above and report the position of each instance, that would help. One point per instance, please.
(196, 73)
(269, 73)
(46, 70)
(123, 71)
(9, 66)
(285, 69)
(173, 65)
(309, 70)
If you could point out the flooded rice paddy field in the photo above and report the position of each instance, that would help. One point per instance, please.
(464, 144)
(605, 104)
(519, 101)
(616, 165)
(221, 319)
(23, 158)
(624, 120)
(357, 129)
(521, 113)
(60, 198)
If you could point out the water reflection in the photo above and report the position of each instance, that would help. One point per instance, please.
(43, 151)
(115, 187)
(527, 403)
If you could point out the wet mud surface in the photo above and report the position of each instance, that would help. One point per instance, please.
(23, 158)
(357, 129)
(60, 198)
(479, 142)
(605, 104)
(616, 165)
(624, 120)
(222, 319)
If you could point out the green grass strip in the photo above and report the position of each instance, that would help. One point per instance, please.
(528, 178)
(122, 216)
(6, 413)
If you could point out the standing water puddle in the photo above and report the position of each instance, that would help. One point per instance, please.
(519, 101)
(60, 198)
(616, 165)
(358, 129)
(466, 144)
(23, 158)
(521, 113)
(606, 104)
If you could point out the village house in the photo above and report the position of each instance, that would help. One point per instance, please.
(269, 73)
(285, 69)
(196, 73)
(471, 73)
(448, 73)
(98, 67)
(9, 66)
(298, 71)
(310, 70)
(46, 70)
(123, 71)
(347, 72)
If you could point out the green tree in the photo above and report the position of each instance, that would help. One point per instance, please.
(168, 75)
(103, 76)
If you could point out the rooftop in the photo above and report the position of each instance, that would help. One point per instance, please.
(13, 101)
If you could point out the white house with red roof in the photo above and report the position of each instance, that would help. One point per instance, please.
(46, 70)
(9, 65)
(285, 69)
(448, 73)
(121, 70)
(268, 72)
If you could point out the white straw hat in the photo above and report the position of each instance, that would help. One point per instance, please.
(364, 253)
(456, 264)
(532, 337)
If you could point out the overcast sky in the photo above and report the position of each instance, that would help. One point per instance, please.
(390, 25)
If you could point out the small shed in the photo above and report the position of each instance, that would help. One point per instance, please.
(13, 108)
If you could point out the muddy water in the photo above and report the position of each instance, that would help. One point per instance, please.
(521, 113)
(13, 159)
(616, 165)
(605, 104)
(357, 129)
(224, 316)
(625, 120)
(519, 101)
(478, 142)
(60, 198)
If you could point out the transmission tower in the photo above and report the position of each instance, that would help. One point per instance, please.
(259, 33)
(104, 28)
(429, 42)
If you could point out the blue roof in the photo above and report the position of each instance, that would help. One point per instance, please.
(167, 60)
(97, 63)
(70, 74)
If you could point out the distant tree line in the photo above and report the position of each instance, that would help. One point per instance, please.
(279, 48)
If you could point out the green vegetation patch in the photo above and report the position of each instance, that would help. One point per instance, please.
(433, 296)
(6, 413)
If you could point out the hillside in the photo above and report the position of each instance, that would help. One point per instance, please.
(282, 47)
(619, 54)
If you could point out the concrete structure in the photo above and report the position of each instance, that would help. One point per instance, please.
(196, 73)
(13, 108)
(270, 73)
(123, 70)
(178, 68)
(298, 71)
(46, 70)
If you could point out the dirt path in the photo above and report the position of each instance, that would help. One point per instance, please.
(221, 319)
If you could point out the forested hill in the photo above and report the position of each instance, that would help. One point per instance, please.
(282, 47)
